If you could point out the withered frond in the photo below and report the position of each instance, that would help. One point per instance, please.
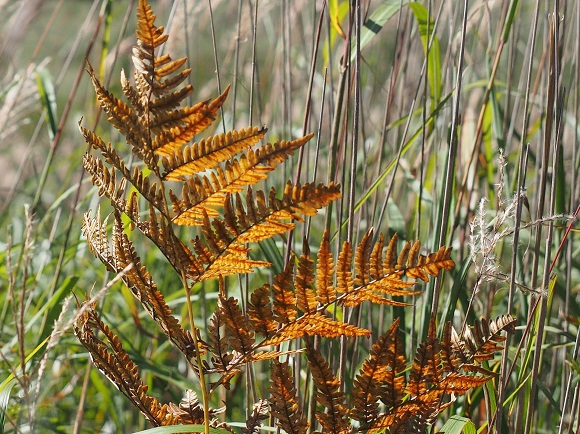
(389, 285)
(218, 344)
(362, 260)
(152, 69)
(262, 218)
(111, 359)
(220, 254)
(325, 290)
(283, 298)
(344, 279)
(121, 116)
(374, 282)
(208, 153)
(141, 284)
(380, 378)
(418, 266)
(284, 401)
(190, 410)
(161, 233)
(105, 180)
(97, 237)
(260, 311)
(315, 324)
(176, 128)
(117, 254)
(427, 369)
(334, 417)
(259, 413)
(238, 328)
(480, 342)
(304, 281)
(209, 192)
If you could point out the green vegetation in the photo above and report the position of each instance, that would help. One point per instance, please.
(450, 126)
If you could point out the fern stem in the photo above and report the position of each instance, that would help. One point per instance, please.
(201, 377)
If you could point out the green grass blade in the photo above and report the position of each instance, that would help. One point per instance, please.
(373, 24)
(458, 425)
(426, 29)
(5, 389)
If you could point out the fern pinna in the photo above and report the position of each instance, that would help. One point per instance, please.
(216, 199)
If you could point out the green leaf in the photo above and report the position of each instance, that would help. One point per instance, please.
(48, 99)
(375, 23)
(5, 389)
(458, 425)
(426, 29)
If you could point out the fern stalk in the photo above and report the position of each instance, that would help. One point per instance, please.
(200, 373)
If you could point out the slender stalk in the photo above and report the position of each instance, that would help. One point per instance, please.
(551, 119)
(452, 153)
(521, 183)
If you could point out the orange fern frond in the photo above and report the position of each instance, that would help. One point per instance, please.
(380, 378)
(238, 328)
(376, 259)
(259, 413)
(178, 127)
(334, 417)
(344, 279)
(223, 259)
(112, 360)
(208, 153)
(207, 193)
(484, 339)
(315, 324)
(418, 266)
(283, 298)
(391, 285)
(325, 290)
(362, 260)
(284, 401)
(427, 368)
(260, 311)
(304, 281)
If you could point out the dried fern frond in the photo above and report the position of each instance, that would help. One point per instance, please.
(190, 410)
(117, 254)
(304, 282)
(209, 192)
(260, 312)
(334, 417)
(480, 342)
(315, 324)
(210, 152)
(218, 345)
(380, 378)
(259, 413)
(283, 298)
(112, 360)
(427, 369)
(238, 328)
(284, 400)
(325, 290)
